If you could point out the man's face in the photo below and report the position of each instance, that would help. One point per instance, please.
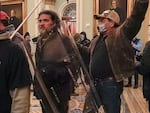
(105, 24)
(114, 4)
(44, 23)
(12, 13)
(82, 37)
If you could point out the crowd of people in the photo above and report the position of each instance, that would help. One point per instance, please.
(109, 57)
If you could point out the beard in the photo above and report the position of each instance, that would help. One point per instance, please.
(42, 30)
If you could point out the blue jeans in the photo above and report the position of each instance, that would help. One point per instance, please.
(109, 92)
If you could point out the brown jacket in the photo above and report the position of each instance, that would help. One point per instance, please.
(118, 41)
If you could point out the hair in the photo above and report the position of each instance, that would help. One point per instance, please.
(83, 33)
(53, 15)
(76, 36)
(26, 34)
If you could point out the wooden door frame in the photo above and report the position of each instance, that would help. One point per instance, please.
(24, 9)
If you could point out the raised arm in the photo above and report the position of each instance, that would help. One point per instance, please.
(132, 24)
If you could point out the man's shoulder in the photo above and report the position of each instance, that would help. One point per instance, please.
(11, 46)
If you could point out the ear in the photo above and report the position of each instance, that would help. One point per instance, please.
(112, 24)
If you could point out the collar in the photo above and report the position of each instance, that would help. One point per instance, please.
(4, 36)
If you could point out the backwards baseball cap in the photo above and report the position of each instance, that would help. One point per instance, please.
(109, 14)
(3, 15)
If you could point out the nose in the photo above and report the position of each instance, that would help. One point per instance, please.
(100, 21)
(42, 25)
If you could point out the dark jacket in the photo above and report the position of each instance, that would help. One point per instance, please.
(146, 85)
(146, 55)
(15, 77)
(144, 69)
(19, 40)
(118, 42)
(54, 57)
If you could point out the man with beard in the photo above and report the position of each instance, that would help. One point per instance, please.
(54, 56)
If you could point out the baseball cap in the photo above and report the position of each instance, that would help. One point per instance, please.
(110, 14)
(3, 15)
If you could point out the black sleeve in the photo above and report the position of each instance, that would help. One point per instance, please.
(144, 68)
(146, 55)
(132, 24)
(19, 75)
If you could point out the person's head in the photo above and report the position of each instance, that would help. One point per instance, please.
(27, 36)
(114, 4)
(3, 20)
(107, 20)
(76, 37)
(83, 35)
(48, 20)
(12, 12)
(135, 40)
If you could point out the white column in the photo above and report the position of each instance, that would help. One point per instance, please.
(79, 15)
(85, 17)
(32, 21)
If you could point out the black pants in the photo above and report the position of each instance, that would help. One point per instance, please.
(61, 96)
(109, 92)
(148, 105)
(135, 79)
